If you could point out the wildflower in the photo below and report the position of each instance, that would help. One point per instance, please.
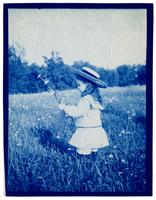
(119, 173)
(110, 100)
(110, 156)
(123, 161)
(19, 143)
(114, 147)
(27, 108)
(40, 177)
(123, 131)
(114, 98)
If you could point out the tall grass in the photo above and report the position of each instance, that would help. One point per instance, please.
(37, 166)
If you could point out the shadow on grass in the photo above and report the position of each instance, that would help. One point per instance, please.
(48, 139)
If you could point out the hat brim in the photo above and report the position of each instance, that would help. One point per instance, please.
(83, 74)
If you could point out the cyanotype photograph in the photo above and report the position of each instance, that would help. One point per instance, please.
(78, 99)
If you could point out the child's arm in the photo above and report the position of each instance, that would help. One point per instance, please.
(94, 104)
(97, 106)
(76, 111)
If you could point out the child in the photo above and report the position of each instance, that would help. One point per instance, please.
(89, 135)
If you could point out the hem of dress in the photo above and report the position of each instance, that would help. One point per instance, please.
(89, 147)
(89, 126)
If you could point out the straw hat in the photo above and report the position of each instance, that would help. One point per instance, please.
(91, 75)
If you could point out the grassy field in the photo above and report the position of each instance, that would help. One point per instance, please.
(37, 162)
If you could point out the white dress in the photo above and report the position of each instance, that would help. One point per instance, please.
(89, 133)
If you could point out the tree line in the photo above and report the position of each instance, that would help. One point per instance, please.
(26, 78)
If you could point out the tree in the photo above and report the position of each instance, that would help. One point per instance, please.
(23, 77)
(59, 74)
(141, 78)
(33, 82)
(123, 72)
(103, 74)
(17, 70)
(112, 78)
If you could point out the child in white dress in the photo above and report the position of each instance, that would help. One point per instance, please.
(89, 135)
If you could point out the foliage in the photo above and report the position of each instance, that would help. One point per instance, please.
(141, 75)
(59, 74)
(112, 78)
(23, 78)
(17, 71)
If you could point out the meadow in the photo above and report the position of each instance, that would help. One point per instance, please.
(38, 131)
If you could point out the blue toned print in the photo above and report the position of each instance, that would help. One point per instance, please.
(76, 114)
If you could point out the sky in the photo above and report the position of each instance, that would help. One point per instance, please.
(103, 37)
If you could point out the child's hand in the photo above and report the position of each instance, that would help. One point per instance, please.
(61, 106)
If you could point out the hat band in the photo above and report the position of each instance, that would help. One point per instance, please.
(89, 73)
